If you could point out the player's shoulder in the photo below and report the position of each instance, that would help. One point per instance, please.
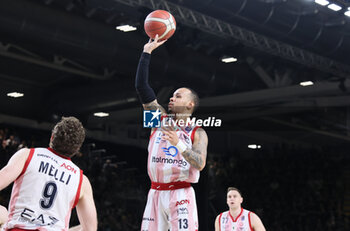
(24, 150)
(85, 186)
(200, 133)
(86, 179)
(22, 153)
(221, 214)
(199, 130)
(253, 217)
(218, 217)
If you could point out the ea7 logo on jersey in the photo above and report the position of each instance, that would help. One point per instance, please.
(151, 119)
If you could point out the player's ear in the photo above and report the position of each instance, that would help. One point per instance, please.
(190, 105)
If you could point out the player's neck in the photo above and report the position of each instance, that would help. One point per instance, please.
(235, 212)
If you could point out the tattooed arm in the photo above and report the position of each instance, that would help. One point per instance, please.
(154, 105)
(197, 156)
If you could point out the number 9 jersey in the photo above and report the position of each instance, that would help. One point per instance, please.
(45, 192)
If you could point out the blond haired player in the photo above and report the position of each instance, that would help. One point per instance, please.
(237, 218)
(175, 156)
(48, 185)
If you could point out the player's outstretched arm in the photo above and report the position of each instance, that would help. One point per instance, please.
(3, 215)
(143, 89)
(14, 167)
(217, 225)
(86, 209)
(257, 224)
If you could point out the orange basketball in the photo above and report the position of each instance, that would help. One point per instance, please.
(160, 22)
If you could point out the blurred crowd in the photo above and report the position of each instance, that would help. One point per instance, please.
(290, 188)
(9, 144)
(119, 194)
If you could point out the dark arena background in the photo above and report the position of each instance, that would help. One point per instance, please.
(284, 102)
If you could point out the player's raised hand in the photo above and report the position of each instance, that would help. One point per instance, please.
(170, 135)
(151, 45)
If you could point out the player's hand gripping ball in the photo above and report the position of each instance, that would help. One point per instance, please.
(160, 22)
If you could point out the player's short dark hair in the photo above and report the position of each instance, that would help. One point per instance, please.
(67, 136)
(194, 97)
(234, 189)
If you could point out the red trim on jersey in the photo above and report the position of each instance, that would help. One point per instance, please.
(250, 223)
(153, 133)
(17, 229)
(53, 151)
(161, 118)
(79, 189)
(194, 131)
(220, 221)
(170, 186)
(234, 220)
(29, 158)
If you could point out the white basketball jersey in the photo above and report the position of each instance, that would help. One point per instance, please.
(45, 193)
(241, 223)
(165, 163)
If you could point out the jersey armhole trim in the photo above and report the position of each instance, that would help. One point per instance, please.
(193, 132)
(250, 223)
(220, 221)
(29, 158)
(161, 119)
(153, 133)
(79, 190)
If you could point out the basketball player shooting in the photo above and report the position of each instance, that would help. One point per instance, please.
(175, 156)
(48, 185)
(237, 218)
